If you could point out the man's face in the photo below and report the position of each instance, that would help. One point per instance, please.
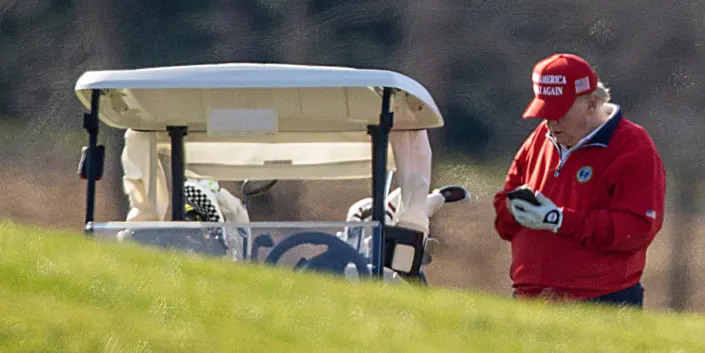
(574, 125)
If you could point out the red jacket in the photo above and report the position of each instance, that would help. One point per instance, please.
(611, 191)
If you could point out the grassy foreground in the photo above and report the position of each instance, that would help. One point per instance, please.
(61, 292)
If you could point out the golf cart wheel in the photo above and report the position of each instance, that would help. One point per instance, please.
(334, 260)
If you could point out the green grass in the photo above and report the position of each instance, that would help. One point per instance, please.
(62, 292)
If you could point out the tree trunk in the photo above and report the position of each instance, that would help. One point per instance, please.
(686, 209)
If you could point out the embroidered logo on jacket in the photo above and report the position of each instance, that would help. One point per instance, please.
(584, 174)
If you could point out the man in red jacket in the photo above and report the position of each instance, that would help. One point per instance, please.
(584, 196)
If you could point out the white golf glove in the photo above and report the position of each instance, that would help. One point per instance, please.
(545, 216)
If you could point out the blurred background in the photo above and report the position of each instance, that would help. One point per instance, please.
(475, 57)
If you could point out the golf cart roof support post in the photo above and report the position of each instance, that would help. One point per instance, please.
(90, 123)
(380, 143)
(178, 171)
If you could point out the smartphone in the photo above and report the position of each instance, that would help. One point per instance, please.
(524, 193)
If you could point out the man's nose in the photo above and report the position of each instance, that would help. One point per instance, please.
(551, 123)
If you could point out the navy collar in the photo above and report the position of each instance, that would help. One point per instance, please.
(603, 136)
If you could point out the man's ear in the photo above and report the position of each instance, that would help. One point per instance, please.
(593, 103)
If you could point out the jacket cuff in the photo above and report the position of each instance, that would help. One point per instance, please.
(572, 223)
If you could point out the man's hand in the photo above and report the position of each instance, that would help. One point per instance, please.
(544, 216)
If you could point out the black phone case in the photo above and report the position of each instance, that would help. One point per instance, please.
(524, 194)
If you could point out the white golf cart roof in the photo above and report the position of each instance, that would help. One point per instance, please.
(246, 99)
(262, 121)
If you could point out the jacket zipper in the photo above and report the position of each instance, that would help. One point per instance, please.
(560, 166)
(563, 160)
(560, 156)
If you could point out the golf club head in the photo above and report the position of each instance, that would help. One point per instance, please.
(453, 193)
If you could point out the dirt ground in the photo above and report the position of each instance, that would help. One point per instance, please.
(472, 257)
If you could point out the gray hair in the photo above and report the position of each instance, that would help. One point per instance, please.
(601, 92)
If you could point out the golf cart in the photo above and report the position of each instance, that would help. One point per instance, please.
(265, 122)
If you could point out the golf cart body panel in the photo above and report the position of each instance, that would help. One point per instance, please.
(245, 99)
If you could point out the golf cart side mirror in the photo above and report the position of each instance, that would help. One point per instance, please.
(99, 158)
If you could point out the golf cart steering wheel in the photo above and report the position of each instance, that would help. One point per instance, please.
(334, 260)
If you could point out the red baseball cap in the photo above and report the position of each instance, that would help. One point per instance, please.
(558, 80)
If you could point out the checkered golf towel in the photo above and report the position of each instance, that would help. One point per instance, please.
(203, 200)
